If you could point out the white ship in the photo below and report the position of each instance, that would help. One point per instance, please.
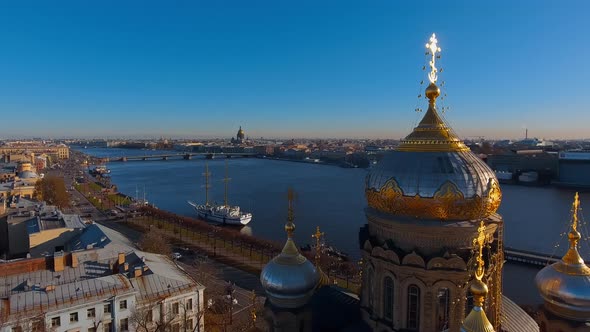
(224, 214)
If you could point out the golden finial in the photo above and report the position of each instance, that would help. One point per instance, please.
(433, 49)
(479, 242)
(290, 226)
(318, 237)
(575, 207)
(432, 91)
(477, 320)
(574, 262)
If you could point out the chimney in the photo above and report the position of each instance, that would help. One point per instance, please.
(137, 272)
(58, 261)
(74, 260)
(121, 258)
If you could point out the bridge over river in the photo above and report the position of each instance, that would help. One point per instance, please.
(185, 156)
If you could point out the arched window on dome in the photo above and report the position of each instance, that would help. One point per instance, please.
(388, 299)
(442, 309)
(413, 320)
(371, 288)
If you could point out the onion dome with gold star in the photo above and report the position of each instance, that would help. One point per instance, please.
(565, 285)
(477, 321)
(432, 174)
(289, 279)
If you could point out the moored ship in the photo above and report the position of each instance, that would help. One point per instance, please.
(224, 214)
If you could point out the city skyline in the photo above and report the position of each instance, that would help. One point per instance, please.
(339, 69)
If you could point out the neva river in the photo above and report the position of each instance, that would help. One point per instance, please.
(331, 197)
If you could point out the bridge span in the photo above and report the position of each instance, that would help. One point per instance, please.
(185, 156)
(529, 257)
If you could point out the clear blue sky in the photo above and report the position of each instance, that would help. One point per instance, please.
(290, 68)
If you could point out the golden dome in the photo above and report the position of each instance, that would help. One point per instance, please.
(565, 285)
(241, 133)
(432, 174)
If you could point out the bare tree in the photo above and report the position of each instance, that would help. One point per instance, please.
(155, 242)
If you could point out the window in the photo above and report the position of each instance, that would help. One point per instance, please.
(176, 327)
(55, 322)
(175, 308)
(107, 308)
(92, 329)
(107, 327)
(388, 298)
(413, 322)
(124, 324)
(189, 324)
(73, 317)
(442, 309)
(149, 317)
(123, 304)
(189, 304)
(17, 329)
(91, 313)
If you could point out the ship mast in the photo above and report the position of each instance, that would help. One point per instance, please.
(226, 180)
(206, 175)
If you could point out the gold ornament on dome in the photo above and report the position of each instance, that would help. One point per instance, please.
(433, 50)
(432, 134)
(448, 202)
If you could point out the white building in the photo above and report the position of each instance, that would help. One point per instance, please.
(101, 283)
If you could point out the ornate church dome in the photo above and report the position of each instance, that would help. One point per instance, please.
(289, 279)
(241, 134)
(432, 174)
(565, 285)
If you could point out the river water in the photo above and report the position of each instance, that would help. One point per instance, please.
(536, 218)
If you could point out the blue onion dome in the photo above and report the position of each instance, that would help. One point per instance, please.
(289, 279)
(432, 174)
(565, 285)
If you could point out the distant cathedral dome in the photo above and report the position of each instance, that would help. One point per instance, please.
(241, 135)
(289, 279)
(433, 175)
(565, 285)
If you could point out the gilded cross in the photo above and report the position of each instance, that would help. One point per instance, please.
(433, 49)
(318, 236)
(575, 207)
(478, 242)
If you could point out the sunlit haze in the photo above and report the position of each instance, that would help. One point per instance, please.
(290, 69)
